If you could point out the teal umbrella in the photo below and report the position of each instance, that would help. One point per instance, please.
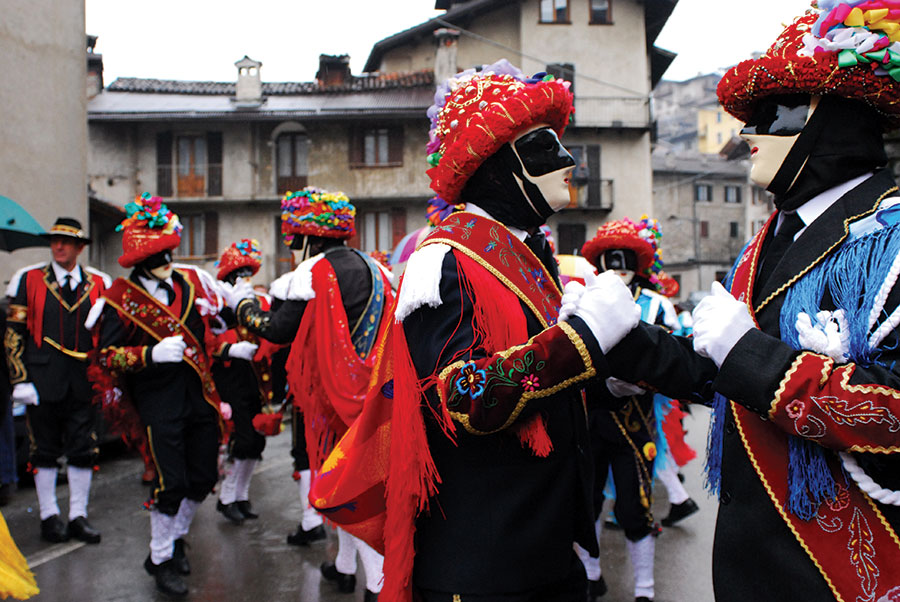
(17, 228)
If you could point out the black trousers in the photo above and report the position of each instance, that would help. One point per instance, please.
(298, 440)
(185, 447)
(63, 428)
(571, 589)
(246, 443)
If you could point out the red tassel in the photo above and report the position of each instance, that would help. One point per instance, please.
(533, 434)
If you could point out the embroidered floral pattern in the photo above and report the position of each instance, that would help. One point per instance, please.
(841, 499)
(123, 359)
(865, 412)
(862, 553)
(471, 381)
(530, 382)
(795, 409)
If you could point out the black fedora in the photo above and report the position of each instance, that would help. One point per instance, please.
(68, 226)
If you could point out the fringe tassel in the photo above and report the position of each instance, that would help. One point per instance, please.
(714, 439)
(810, 481)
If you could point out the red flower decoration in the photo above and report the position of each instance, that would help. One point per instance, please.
(795, 409)
(841, 499)
(530, 382)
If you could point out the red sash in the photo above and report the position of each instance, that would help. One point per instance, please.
(147, 313)
(849, 540)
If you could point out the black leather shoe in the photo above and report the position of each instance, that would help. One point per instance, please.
(246, 509)
(680, 511)
(643, 599)
(6, 490)
(82, 530)
(231, 512)
(345, 583)
(596, 589)
(53, 530)
(180, 558)
(303, 538)
(370, 597)
(168, 581)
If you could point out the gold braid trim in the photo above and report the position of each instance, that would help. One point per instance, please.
(17, 313)
(14, 349)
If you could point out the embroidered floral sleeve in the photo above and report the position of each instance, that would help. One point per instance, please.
(486, 395)
(14, 338)
(124, 359)
(815, 400)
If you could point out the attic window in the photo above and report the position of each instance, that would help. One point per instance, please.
(601, 12)
(554, 11)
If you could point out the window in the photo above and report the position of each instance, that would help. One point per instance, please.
(677, 279)
(564, 71)
(721, 275)
(587, 173)
(554, 11)
(601, 12)
(196, 170)
(200, 237)
(283, 255)
(571, 238)
(718, 137)
(376, 147)
(732, 194)
(704, 229)
(380, 230)
(292, 161)
(759, 195)
(703, 192)
(733, 229)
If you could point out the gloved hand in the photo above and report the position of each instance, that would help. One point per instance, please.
(170, 350)
(225, 410)
(720, 321)
(26, 393)
(620, 388)
(235, 293)
(608, 308)
(571, 294)
(243, 350)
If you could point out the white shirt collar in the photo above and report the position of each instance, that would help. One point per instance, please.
(61, 273)
(816, 206)
(151, 285)
(473, 208)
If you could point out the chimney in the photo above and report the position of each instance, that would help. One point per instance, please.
(334, 70)
(445, 54)
(248, 92)
(94, 69)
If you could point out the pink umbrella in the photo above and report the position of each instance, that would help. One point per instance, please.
(406, 246)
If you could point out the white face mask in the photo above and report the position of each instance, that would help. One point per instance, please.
(626, 275)
(163, 272)
(553, 185)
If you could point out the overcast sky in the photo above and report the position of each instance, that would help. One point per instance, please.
(201, 39)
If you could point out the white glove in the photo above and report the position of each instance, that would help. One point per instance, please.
(608, 308)
(620, 388)
(720, 321)
(571, 294)
(169, 350)
(26, 393)
(235, 293)
(225, 410)
(829, 336)
(243, 350)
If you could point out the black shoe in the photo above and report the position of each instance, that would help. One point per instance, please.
(180, 558)
(82, 530)
(345, 583)
(53, 530)
(231, 512)
(370, 597)
(246, 509)
(6, 490)
(596, 589)
(304, 538)
(680, 511)
(168, 581)
(643, 599)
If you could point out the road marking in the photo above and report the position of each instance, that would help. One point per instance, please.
(44, 556)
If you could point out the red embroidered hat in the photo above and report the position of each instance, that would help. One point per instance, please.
(244, 253)
(622, 234)
(150, 228)
(848, 48)
(475, 113)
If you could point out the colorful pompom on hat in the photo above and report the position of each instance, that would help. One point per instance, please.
(847, 48)
(244, 253)
(315, 212)
(476, 112)
(642, 237)
(149, 228)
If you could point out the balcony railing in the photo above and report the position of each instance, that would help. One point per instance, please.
(612, 112)
(593, 194)
(201, 182)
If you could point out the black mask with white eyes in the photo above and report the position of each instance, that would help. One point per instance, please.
(619, 260)
(541, 152)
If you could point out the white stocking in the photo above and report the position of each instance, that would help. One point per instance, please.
(245, 473)
(186, 511)
(373, 563)
(641, 553)
(311, 519)
(228, 492)
(346, 557)
(591, 564)
(162, 537)
(669, 478)
(79, 491)
(45, 485)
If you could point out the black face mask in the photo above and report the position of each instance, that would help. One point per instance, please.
(157, 260)
(778, 116)
(243, 272)
(541, 152)
(619, 260)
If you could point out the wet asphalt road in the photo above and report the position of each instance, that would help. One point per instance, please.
(254, 563)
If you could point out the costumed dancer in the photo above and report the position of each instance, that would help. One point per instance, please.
(333, 317)
(800, 358)
(154, 379)
(489, 476)
(46, 350)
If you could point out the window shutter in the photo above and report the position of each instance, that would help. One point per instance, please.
(395, 145)
(595, 192)
(214, 163)
(164, 164)
(211, 244)
(355, 147)
(398, 225)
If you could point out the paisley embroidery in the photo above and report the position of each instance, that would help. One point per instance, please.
(865, 412)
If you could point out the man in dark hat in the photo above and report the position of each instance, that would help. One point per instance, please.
(46, 348)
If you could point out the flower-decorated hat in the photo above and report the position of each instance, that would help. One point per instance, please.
(641, 237)
(848, 48)
(244, 253)
(315, 212)
(476, 112)
(150, 228)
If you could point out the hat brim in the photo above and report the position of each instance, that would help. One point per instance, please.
(48, 235)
